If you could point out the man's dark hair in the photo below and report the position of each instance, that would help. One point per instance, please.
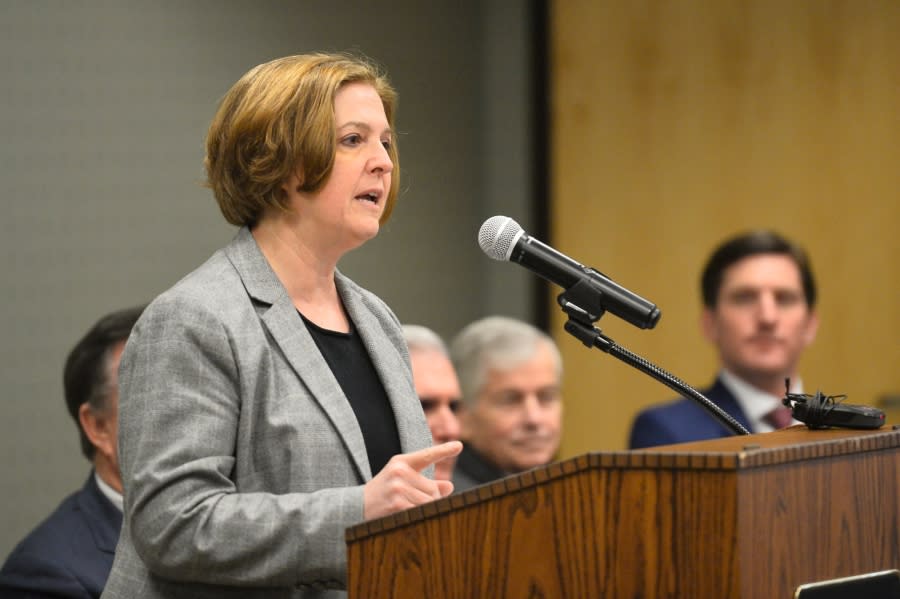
(751, 244)
(86, 374)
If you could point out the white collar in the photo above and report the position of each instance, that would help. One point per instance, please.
(114, 496)
(754, 402)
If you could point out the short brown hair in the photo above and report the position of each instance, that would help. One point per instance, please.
(277, 120)
(86, 376)
(754, 243)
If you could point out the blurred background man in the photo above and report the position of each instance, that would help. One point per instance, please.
(71, 552)
(510, 373)
(437, 387)
(759, 299)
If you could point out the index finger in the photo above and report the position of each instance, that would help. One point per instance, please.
(419, 460)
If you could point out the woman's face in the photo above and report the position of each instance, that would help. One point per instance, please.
(346, 211)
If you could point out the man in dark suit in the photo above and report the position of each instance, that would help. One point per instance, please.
(71, 552)
(759, 300)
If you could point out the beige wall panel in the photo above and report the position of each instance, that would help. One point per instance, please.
(676, 124)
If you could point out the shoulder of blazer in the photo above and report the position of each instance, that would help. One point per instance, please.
(216, 287)
(75, 542)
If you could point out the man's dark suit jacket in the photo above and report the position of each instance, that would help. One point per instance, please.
(685, 420)
(70, 553)
(473, 469)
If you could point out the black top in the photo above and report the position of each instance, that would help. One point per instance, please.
(352, 367)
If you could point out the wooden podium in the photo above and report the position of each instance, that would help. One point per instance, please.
(735, 518)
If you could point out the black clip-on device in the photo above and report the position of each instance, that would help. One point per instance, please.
(823, 411)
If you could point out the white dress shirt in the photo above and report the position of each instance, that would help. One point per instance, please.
(109, 492)
(754, 402)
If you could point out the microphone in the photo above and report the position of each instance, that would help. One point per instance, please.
(501, 238)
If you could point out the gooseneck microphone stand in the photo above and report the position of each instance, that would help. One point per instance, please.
(581, 326)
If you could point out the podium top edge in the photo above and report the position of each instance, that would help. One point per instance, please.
(744, 452)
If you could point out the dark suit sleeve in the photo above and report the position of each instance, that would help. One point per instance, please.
(27, 575)
(649, 429)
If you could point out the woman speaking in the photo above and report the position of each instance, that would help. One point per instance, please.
(266, 400)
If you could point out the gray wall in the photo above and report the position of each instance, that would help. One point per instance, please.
(105, 108)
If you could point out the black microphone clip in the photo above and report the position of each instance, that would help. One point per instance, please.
(822, 411)
(582, 301)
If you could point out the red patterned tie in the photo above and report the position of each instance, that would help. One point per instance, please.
(778, 418)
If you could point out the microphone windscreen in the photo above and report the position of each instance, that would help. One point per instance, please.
(497, 237)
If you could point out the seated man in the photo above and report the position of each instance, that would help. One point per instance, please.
(71, 552)
(759, 298)
(437, 388)
(510, 373)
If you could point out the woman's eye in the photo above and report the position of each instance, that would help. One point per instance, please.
(386, 143)
(353, 139)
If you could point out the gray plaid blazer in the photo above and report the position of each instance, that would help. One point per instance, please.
(242, 460)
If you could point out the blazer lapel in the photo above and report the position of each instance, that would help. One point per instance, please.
(723, 397)
(391, 366)
(287, 329)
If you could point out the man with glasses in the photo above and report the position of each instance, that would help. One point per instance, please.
(437, 387)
